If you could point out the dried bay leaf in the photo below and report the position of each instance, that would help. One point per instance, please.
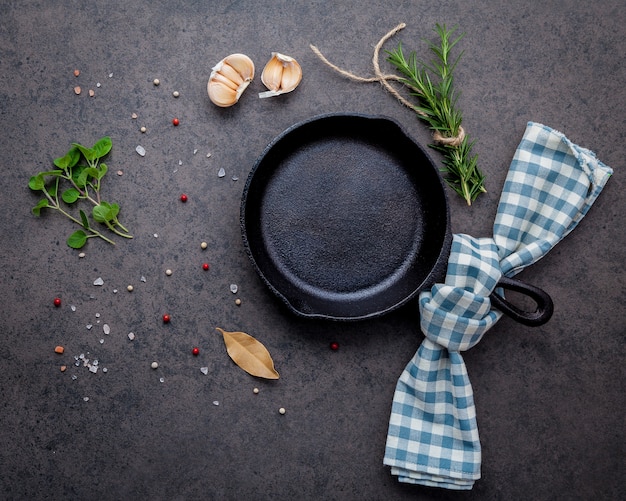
(249, 354)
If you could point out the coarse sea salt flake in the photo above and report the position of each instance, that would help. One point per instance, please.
(221, 172)
(204, 370)
(131, 336)
(98, 281)
(215, 402)
(106, 329)
(140, 150)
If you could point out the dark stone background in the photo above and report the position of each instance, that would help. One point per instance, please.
(550, 400)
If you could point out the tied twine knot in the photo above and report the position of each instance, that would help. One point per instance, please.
(455, 141)
(385, 78)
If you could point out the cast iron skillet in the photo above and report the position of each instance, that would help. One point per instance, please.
(345, 217)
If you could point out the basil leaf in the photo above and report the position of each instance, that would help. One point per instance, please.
(41, 205)
(77, 239)
(77, 176)
(70, 195)
(85, 174)
(70, 159)
(83, 218)
(37, 183)
(102, 146)
(88, 153)
(102, 213)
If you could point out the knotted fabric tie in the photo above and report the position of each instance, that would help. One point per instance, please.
(433, 435)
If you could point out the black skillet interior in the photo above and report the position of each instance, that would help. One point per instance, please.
(345, 217)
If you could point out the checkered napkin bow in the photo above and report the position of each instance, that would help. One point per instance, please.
(433, 436)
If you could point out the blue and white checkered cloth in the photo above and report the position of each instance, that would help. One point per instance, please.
(433, 436)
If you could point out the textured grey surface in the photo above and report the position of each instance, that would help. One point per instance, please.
(550, 400)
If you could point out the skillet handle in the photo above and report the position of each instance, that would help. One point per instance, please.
(545, 306)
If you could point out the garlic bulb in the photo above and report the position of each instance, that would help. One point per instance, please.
(281, 74)
(229, 79)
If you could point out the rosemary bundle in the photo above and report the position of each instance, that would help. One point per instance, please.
(433, 85)
(437, 105)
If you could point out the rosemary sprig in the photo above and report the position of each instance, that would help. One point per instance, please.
(433, 85)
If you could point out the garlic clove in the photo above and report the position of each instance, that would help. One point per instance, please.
(231, 74)
(281, 74)
(273, 74)
(221, 78)
(229, 78)
(221, 94)
(242, 65)
(292, 75)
